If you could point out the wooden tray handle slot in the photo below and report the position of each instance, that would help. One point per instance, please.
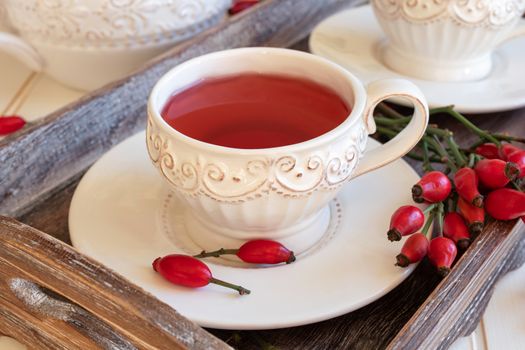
(53, 297)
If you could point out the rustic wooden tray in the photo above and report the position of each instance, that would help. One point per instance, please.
(52, 297)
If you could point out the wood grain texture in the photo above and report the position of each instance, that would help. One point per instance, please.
(423, 304)
(52, 297)
(64, 143)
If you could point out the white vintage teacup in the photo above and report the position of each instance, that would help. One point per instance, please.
(280, 193)
(447, 40)
(88, 43)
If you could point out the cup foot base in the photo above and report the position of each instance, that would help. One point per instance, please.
(434, 70)
(299, 238)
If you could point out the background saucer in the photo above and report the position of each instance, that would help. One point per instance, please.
(353, 39)
(118, 217)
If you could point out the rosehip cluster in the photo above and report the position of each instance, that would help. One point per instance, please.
(483, 187)
(190, 272)
(433, 188)
(505, 199)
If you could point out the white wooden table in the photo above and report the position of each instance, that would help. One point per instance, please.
(34, 95)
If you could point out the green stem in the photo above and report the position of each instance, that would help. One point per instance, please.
(416, 156)
(429, 208)
(429, 222)
(389, 111)
(440, 214)
(441, 151)
(471, 160)
(461, 161)
(216, 253)
(476, 144)
(388, 121)
(437, 131)
(516, 185)
(467, 123)
(426, 158)
(391, 134)
(385, 131)
(508, 138)
(241, 290)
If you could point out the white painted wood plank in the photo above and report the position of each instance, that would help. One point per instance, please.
(505, 315)
(476, 341)
(46, 96)
(13, 75)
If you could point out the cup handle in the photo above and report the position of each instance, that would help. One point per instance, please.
(403, 142)
(21, 50)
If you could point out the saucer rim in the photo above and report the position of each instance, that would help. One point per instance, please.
(242, 325)
(467, 108)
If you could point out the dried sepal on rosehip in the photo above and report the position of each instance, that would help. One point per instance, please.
(187, 271)
(405, 221)
(518, 158)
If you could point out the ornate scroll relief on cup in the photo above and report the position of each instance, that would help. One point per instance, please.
(448, 40)
(280, 193)
(88, 43)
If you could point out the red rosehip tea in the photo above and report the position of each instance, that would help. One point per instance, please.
(255, 110)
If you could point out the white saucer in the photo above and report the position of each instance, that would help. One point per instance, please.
(123, 216)
(353, 39)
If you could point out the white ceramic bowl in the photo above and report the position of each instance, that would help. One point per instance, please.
(88, 43)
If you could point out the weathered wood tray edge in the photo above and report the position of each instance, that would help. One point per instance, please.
(27, 178)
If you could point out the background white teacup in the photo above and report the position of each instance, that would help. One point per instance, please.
(447, 40)
(88, 43)
(280, 193)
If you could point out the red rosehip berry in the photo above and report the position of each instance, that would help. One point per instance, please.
(433, 187)
(507, 149)
(242, 5)
(454, 227)
(257, 251)
(496, 173)
(488, 150)
(518, 158)
(441, 252)
(474, 216)
(505, 204)
(414, 250)
(264, 251)
(405, 221)
(187, 271)
(466, 182)
(11, 124)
